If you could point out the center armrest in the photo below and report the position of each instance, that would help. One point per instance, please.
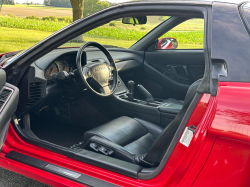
(169, 107)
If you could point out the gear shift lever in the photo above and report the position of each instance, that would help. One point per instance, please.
(149, 97)
(131, 87)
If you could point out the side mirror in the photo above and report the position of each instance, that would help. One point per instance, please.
(167, 43)
(135, 20)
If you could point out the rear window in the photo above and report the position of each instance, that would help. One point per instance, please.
(246, 14)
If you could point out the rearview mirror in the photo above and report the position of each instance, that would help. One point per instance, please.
(135, 20)
(167, 43)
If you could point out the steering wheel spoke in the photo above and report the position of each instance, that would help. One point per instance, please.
(111, 68)
(105, 90)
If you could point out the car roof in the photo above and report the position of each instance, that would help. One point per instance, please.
(225, 1)
(193, 1)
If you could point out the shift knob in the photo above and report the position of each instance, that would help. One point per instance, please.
(131, 87)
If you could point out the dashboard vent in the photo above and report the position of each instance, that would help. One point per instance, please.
(4, 96)
(35, 93)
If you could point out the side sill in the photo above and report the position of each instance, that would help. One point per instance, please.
(58, 170)
(106, 162)
(85, 156)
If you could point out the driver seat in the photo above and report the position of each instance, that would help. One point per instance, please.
(130, 139)
(123, 137)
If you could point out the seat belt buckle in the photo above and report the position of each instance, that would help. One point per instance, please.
(140, 160)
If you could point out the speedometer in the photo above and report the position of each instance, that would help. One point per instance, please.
(53, 68)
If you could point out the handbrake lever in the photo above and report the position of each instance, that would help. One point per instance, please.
(149, 97)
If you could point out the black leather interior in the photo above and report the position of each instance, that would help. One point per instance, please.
(192, 90)
(129, 139)
(171, 72)
(173, 105)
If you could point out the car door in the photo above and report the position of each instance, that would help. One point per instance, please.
(9, 96)
(168, 73)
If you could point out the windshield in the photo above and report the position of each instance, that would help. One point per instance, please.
(115, 34)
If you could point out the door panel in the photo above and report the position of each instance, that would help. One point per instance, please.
(9, 96)
(172, 72)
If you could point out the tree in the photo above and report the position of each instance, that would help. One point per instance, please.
(92, 6)
(77, 8)
(111, 4)
(9, 2)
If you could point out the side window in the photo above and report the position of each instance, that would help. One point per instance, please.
(187, 35)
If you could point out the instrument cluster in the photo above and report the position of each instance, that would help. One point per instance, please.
(64, 63)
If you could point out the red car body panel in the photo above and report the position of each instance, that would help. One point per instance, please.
(218, 154)
(6, 53)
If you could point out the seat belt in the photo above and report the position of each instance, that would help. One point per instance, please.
(164, 140)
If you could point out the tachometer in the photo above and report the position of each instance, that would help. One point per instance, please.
(51, 70)
(64, 66)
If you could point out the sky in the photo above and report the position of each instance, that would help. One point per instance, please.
(41, 1)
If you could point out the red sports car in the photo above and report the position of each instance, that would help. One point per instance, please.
(102, 115)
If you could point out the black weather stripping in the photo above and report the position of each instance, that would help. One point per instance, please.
(52, 168)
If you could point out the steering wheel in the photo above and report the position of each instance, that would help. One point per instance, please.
(101, 74)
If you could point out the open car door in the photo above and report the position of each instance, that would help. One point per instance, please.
(9, 96)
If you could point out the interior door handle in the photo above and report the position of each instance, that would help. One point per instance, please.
(171, 70)
(191, 78)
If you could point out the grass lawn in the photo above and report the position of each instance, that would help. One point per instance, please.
(27, 32)
(12, 39)
(36, 10)
(36, 6)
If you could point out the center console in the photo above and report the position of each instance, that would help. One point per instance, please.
(155, 110)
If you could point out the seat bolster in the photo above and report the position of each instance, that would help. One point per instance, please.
(155, 130)
(142, 145)
(122, 131)
(192, 90)
(119, 151)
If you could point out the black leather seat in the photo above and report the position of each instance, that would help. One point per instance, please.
(128, 138)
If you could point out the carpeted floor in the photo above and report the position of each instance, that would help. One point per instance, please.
(60, 134)
(55, 129)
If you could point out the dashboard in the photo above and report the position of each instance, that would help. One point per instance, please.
(65, 60)
(44, 91)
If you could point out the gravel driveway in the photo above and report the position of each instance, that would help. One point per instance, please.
(10, 179)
